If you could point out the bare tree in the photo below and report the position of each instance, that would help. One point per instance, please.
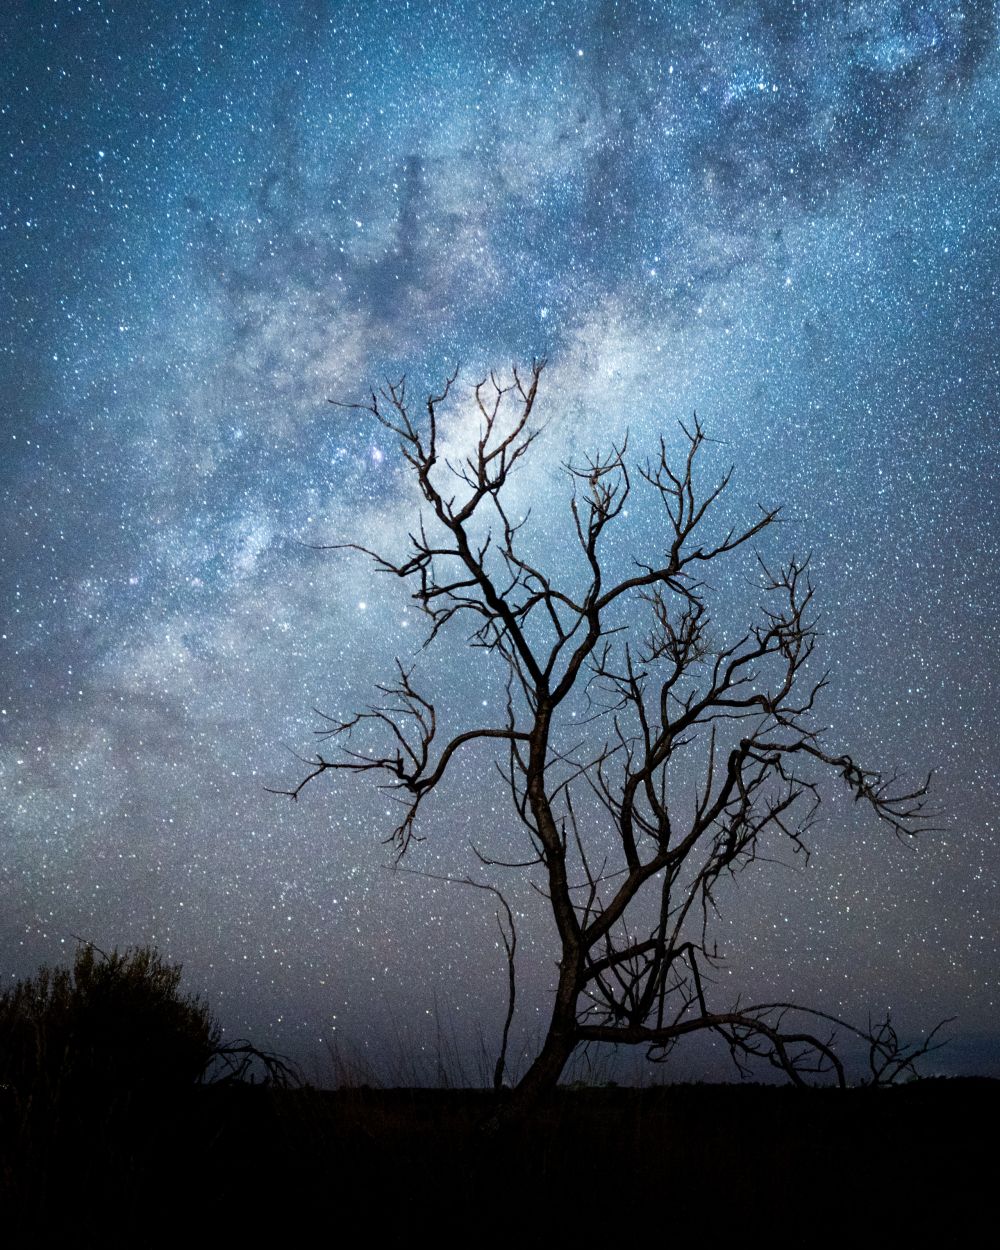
(628, 858)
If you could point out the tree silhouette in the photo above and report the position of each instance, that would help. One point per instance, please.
(113, 1021)
(630, 851)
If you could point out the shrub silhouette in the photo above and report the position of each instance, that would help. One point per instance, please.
(101, 1066)
(113, 1022)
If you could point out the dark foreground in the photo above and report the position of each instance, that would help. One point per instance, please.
(766, 1162)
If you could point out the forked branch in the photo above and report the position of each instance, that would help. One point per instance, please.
(649, 753)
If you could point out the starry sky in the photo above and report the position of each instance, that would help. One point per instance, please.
(216, 216)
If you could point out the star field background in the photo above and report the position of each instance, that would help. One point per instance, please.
(217, 215)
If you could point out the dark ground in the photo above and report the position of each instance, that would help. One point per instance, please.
(767, 1163)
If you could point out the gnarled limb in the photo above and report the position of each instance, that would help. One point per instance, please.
(628, 867)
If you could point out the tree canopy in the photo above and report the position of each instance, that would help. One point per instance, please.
(629, 854)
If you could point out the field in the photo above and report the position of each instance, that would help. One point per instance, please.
(759, 1161)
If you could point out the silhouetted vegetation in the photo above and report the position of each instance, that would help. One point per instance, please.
(111, 1022)
(98, 1063)
(651, 748)
(110, 1130)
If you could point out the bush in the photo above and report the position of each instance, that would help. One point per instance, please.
(113, 1022)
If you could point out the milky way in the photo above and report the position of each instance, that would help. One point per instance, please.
(215, 217)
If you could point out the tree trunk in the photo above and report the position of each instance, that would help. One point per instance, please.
(560, 1041)
(544, 1073)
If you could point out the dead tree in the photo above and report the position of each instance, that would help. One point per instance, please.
(629, 861)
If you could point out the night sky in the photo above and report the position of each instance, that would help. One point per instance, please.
(216, 216)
